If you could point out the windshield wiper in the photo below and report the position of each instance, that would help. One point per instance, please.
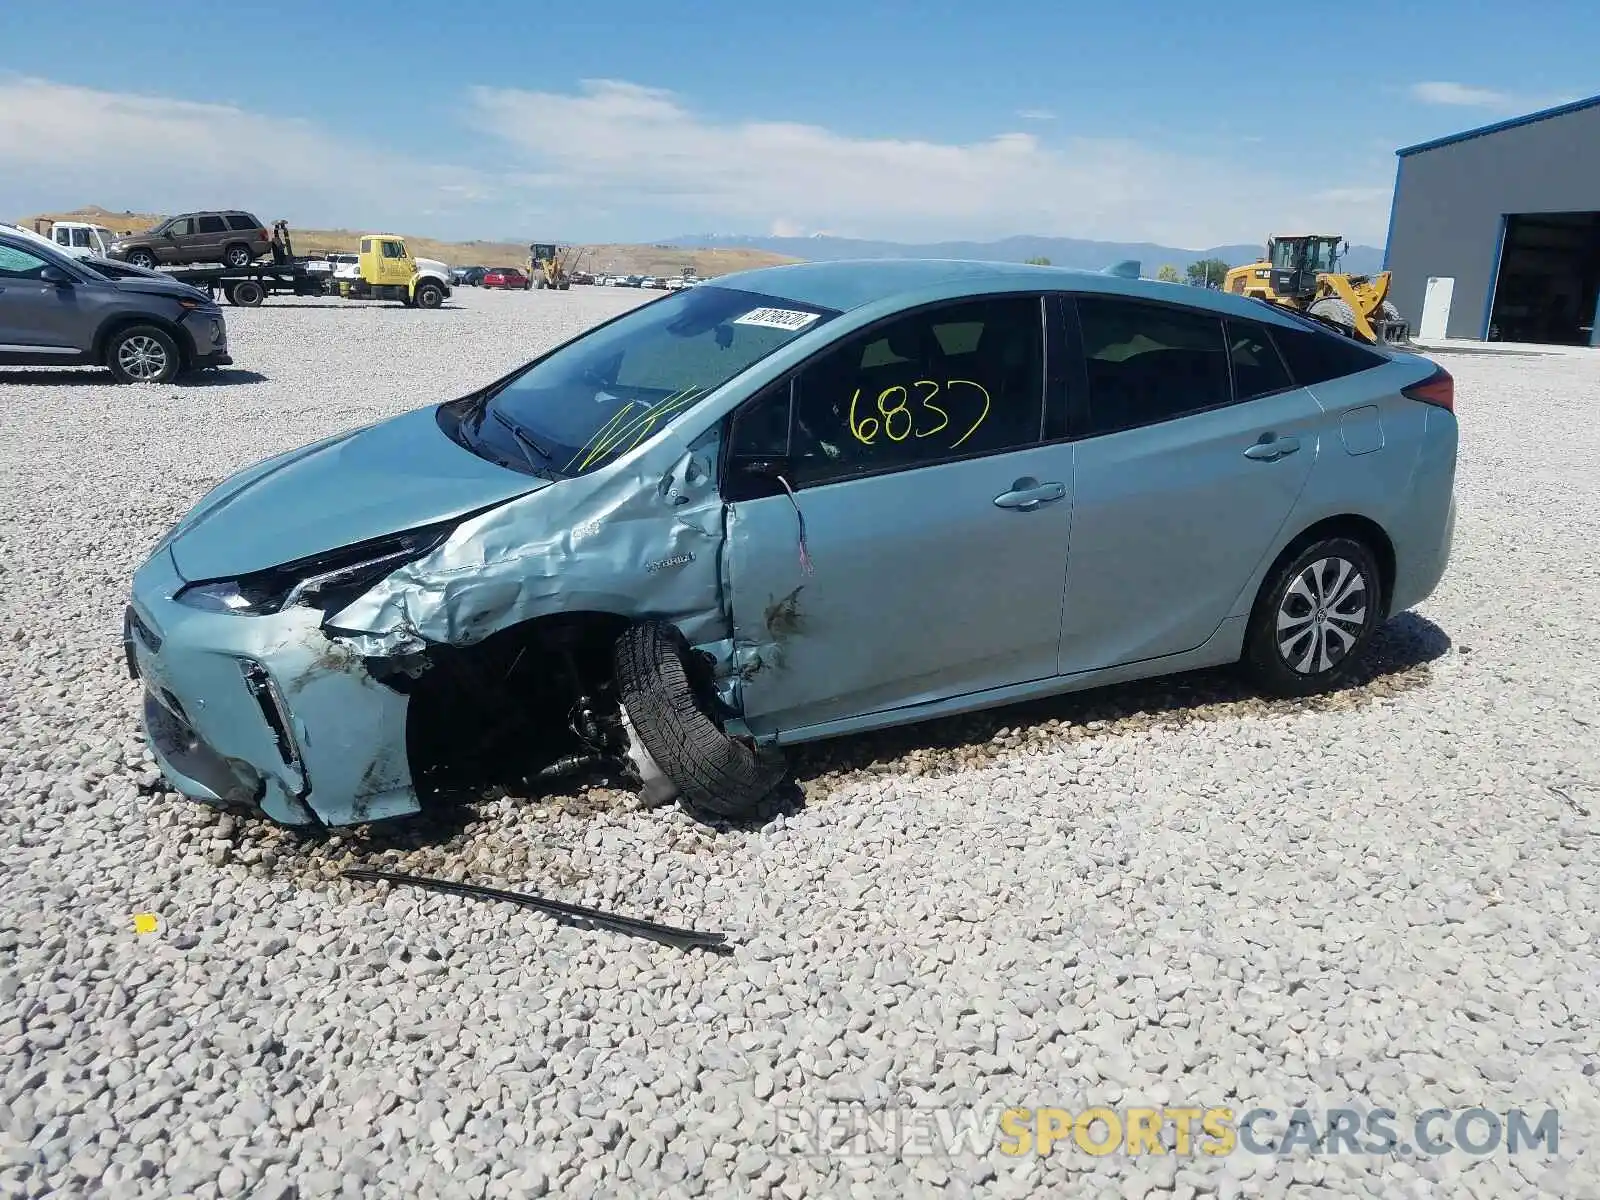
(526, 444)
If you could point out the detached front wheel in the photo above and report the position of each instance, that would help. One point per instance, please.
(669, 706)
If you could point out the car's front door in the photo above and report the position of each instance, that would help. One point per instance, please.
(1194, 447)
(38, 317)
(922, 551)
(173, 243)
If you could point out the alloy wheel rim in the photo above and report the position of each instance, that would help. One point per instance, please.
(1322, 615)
(142, 357)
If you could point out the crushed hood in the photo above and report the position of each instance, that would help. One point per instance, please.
(384, 478)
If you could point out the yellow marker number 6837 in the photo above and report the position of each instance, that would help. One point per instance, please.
(896, 421)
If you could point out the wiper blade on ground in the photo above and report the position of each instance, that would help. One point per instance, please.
(670, 935)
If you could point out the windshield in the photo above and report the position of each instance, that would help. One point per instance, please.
(597, 398)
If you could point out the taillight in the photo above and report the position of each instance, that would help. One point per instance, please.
(1438, 389)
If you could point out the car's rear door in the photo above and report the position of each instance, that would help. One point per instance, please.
(922, 553)
(1193, 446)
(209, 232)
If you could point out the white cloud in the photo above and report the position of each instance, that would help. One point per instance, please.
(1460, 95)
(647, 151)
(62, 145)
(1036, 114)
(617, 161)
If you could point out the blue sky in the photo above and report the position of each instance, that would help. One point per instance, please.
(620, 120)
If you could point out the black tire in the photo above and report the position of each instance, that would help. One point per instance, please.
(143, 354)
(247, 293)
(1291, 665)
(142, 258)
(671, 710)
(236, 255)
(1331, 308)
(429, 294)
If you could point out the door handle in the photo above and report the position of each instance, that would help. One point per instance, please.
(1271, 448)
(1027, 494)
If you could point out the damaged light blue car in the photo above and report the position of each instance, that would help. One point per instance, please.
(786, 505)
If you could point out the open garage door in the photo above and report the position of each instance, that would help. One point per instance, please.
(1549, 279)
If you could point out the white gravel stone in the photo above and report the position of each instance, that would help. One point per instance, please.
(1169, 892)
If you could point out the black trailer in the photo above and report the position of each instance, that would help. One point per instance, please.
(249, 286)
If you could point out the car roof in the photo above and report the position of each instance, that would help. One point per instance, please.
(855, 283)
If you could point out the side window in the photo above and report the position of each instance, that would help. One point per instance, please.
(1257, 369)
(1149, 363)
(761, 426)
(242, 221)
(951, 382)
(80, 237)
(180, 226)
(211, 225)
(366, 245)
(63, 237)
(19, 264)
(394, 249)
(1315, 356)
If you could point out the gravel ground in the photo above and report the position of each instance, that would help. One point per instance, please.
(1170, 893)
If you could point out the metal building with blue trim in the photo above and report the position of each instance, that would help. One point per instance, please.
(1509, 214)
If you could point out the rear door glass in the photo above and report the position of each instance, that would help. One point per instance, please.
(1257, 368)
(1150, 362)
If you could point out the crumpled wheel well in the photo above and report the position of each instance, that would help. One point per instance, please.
(499, 711)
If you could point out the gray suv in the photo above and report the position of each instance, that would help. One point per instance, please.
(232, 237)
(61, 311)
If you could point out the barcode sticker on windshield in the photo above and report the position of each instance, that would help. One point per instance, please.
(777, 318)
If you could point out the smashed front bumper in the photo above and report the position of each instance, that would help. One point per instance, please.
(264, 712)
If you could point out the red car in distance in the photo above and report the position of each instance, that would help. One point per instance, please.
(506, 277)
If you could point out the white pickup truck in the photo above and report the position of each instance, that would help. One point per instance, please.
(80, 239)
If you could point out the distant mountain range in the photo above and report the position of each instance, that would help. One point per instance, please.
(1062, 252)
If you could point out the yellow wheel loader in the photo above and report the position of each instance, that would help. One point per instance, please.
(548, 265)
(1301, 271)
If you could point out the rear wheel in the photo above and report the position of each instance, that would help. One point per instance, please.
(143, 354)
(236, 255)
(1314, 618)
(669, 703)
(247, 293)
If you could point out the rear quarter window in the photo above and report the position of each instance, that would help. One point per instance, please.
(1317, 357)
(243, 221)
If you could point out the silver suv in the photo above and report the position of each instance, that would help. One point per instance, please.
(56, 310)
(231, 237)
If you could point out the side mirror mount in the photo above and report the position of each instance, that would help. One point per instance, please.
(56, 276)
(768, 467)
(757, 476)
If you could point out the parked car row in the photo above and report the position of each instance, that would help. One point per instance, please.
(515, 277)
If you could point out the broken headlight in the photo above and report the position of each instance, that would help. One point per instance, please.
(327, 581)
